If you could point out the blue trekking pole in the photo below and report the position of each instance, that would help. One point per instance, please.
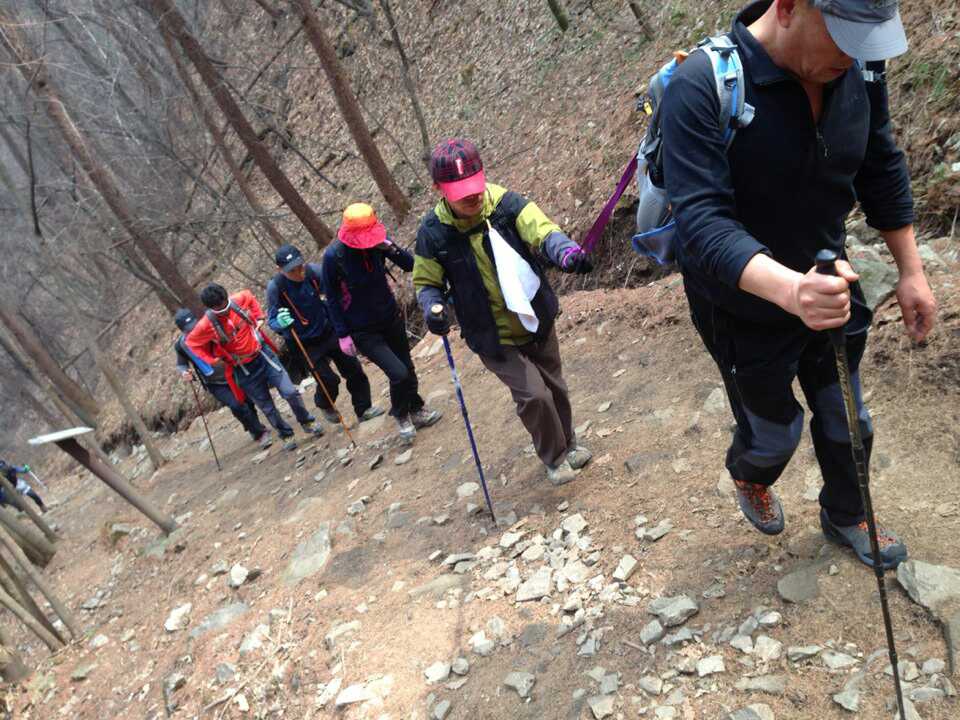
(437, 311)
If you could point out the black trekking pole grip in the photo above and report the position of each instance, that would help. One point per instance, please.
(826, 261)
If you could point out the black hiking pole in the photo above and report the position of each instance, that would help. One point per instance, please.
(437, 311)
(203, 417)
(827, 265)
(316, 376)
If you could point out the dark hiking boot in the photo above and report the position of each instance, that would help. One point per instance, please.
(892, 549)
(761, 506)
(408, 430)
(289, 444)
(331, 416)
(425, 417)
(264, 439)
(561, 474)
(313, 428)
(578, 456)
(370, 413)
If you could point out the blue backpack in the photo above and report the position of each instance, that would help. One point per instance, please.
(656, 227)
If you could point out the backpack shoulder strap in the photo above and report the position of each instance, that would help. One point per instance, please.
(217, 326)
(735, 111)
(240, 311)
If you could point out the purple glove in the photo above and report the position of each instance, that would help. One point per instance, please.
(575, 260)
(347, 347)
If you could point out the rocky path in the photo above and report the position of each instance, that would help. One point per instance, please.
(371, 583)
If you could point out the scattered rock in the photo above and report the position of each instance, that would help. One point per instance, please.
(98, 642)
(356, 508)
(604, 406)
(309, 557)
(178, 618)
(626, 568)
(404, 457)
(254, 640)
(437, 673)
(82, 672)
(225, 672)
(710, 665)
(933, 666)
(837, 660)
(438, 586)
(375, 463)
(799, 586)
(654, 533)
(440, 710)
(522, 682)
(338, 631)
(650, 684)
(758, 711)
(770, 684)
(461, 666)
(673, 611)
(353, 694)
(910, 710)
(481, 644)
(467, 489)
(766, 649)
(651, 632)
(170, 685)
(539, 585)
(716, 402)
(849, 697)
(238, 576)
(260, 457)
(219, 619)
(118, 531)
(575, 524)
(601, 706)
(796, 653)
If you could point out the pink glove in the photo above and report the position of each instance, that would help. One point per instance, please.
(347, 346)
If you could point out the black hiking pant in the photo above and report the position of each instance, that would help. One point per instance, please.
(387, 346)
(322, 352)
(245, 412)
(758, 364)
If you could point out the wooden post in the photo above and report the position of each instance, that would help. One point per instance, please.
(26, 507)
(35, 545)
(42, 586)
(30, 621)
(113, 479)
(13, 585)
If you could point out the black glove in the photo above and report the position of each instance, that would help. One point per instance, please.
(437, 322)
(575, 260)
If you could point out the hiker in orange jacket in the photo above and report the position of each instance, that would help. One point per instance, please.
(228, 333)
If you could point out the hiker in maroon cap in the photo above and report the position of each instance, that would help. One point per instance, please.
(486, 244)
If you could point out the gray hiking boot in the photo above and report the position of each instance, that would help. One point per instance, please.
(289, 444)
(265, 439)
(892, 549)
(561, 474)
(408, 430)
(578, 456)
(425, 417)
(313, 428)
(370, 413)
(331, 416)
(761, 506)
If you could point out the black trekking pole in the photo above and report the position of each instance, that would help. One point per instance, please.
(827, 265)
(326, 393)
(203, 417)
(437, 311)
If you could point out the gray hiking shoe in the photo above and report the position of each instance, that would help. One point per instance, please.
(289, 444)
(265, 439)
(892, 549)
(761, 506)
(370, 413)
(331, 416)
(425, 417)
(408, 430)
(578, 456)
(561, 474)
(313, 428)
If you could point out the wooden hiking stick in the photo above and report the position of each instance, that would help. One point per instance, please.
(196, 396)
(316, 376)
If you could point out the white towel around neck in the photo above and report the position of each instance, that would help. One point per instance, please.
(518, 282)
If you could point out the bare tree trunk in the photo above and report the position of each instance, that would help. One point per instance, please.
(34, 545)
(32, 346)
(408, 81)
(350, 109)
(30, 621)
(26, 507)
(37, 579)
(34, 72)
(217, 134)
(156, 457)
(641, 19)
(12, 667)
(171, 21)
(14, 586)
(560, 13)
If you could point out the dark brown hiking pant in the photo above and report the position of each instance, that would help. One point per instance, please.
(534, 375)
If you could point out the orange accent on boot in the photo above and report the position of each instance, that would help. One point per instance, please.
(760, 499)
(883, 539)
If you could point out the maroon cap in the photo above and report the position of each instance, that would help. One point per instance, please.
(456, 167)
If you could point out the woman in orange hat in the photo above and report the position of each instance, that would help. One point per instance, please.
(365, 314)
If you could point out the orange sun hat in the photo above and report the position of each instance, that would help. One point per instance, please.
(360, 228)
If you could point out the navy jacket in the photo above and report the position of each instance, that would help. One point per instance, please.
(309, 305)
(355, 283)
(786, 185)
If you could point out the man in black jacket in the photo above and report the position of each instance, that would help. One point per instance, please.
(751, 220)
(191, 367)
(295, 301)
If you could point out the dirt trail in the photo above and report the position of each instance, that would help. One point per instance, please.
(633, 349)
